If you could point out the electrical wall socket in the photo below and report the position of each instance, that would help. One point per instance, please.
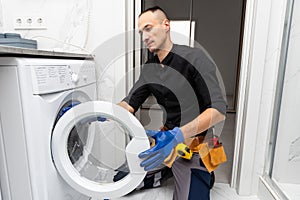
(29, 22)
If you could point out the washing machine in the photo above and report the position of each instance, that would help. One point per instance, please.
(56, 140)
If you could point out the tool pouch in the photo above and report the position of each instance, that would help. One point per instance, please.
(212, 157)
(218, 155)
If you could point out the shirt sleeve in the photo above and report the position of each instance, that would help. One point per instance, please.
(208, 71)
(138, 94)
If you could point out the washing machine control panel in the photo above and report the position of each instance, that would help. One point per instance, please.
(62, 75)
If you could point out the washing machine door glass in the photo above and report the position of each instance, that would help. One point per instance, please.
(95, 147)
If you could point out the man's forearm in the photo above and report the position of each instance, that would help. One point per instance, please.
(204, 121)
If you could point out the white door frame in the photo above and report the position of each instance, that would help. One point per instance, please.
(264, 24)
(132, 44)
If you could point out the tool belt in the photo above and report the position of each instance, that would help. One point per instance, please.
(211, 152)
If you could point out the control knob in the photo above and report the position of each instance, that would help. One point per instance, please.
(75, 77)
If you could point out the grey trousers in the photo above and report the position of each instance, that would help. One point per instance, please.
(192, 180)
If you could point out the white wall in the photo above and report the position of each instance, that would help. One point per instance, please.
(81, 26)
(85, 23)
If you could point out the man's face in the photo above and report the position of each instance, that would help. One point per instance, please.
(153, 31)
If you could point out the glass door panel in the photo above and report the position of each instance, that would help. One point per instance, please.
(285, 145)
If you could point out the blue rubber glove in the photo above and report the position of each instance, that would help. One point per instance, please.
(165, 141)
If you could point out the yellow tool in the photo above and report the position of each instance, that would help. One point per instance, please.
(184, 151)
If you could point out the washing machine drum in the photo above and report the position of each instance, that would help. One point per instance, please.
(95, 147)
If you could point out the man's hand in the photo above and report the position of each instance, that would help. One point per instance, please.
(165, 141)
(126, 106)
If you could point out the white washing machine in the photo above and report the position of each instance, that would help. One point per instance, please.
(56, 141)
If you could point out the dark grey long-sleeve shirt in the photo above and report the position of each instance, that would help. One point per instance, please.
(185, 84)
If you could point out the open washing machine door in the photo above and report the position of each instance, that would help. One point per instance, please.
(95, 147)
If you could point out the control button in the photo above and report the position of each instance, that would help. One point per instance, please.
(75, 78)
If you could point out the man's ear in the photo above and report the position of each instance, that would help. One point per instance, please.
(166, 23)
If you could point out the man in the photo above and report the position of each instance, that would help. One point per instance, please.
(185, 83)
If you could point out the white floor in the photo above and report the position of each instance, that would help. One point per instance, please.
(221, 191)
